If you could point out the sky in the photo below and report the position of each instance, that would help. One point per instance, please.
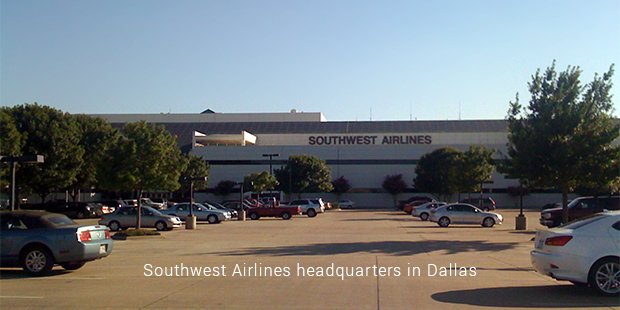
(351, 60)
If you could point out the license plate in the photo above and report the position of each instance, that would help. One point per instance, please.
(102, 249)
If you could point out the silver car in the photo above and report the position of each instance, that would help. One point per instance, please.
(462, 213)
(125, 217)
(202, 212)
(37, 240)
(423, 211)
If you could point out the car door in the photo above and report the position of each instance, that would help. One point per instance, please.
(12, 233)
(127, 217)
(181, 210)
(471, 215)
(149, 218)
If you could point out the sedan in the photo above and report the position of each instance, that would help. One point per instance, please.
(346, 204)
(461, 213)
(125, 217)
(424, 211)
(586, 251)
(37, 240)
(202, 212)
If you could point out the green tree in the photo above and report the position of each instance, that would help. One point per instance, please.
(195, 166)
(394, 184)
(149, 158)
(563, 138)
(259, 182)
(96, 137)
(437, 171)
(304, 174)
(341, 185)
(11, 142)
(224, 188)
(473, 167)
(55, 135)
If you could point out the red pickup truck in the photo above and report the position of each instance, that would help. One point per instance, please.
(273, 211)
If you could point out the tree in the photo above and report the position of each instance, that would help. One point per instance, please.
(259, 182)
(150, 160)
(195, 166)
(96, 137)
(304, 174)
(394, 184)
(473, 167)
(11, 142)
(224, 188)
(563, 138)
(436, 172)
(340, 186)
(56, 136)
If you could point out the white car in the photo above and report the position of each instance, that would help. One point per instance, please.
(346, 204)
(310, 207)
(462, 213)
(586, 251)
(202, 212)
(423, 211)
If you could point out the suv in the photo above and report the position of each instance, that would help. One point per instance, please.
(310, 207)
(484, 203)
(579, 208)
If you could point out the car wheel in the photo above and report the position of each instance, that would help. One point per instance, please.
(604, 276)
(254, 216)
(114, 226)
(488, 222)
(286, 216)
(311, 213)
(424, 216)
(37, 260)
(212, 219)
(161, 226)
(444, 222)
(72, 266)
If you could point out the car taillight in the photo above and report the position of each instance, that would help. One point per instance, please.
(107, 234)
(85, 236)
(558, 241)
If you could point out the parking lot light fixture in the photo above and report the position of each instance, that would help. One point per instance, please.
(13, 160)
(190, 222)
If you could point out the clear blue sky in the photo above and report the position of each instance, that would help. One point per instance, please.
(342, 58)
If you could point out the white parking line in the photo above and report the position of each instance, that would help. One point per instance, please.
(22, 297)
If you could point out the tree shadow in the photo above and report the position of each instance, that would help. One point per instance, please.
(10, 274)
(548, 296)
(396, 248)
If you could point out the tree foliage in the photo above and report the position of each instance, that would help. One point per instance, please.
(473, 167)
(394, 184)
(437, 171)
(195, 166)
(56, 136)
(341, 185)
(563, 137)
(11, 142)
(304, 174)
(224, 188)
(259, 182)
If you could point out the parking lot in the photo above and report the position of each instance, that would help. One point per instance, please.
(396, 262)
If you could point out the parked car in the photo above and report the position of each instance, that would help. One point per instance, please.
(110, 206)
(202, 212)
(155, 205)
(484, 203)
(423, 211)
(346, 204)
(233, 212)
(578, 208)
(78, 210)
(461, 213)
(236, 205)
(310, 207)
(409, 207)
(38, 240)
(125, 217)
(586, 251)
(403, 203)
(282, 211)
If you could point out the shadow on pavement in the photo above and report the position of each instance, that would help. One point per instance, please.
(8, 274)
(550, 296)
(398, 248)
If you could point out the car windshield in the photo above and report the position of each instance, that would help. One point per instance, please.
(576, 224)
(59, 220)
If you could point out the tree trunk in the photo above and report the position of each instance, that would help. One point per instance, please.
(139, 217)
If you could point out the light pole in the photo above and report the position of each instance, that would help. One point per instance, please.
(241, 215)
(190, 222)
(271, 156)
(13, 160)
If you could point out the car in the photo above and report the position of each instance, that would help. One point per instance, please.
(155, 205)
(125, 217)
(236, 205)
(423, 211)
(282, 211)
(409, 207)
(233, 212)
(585, 251)
(578, 208)
(403, 203)
(346, 204)
(462, 213)
(483, 203)
(310, 207)
(110, 206)
(79, 210)
(37, 240)
(202, 212)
